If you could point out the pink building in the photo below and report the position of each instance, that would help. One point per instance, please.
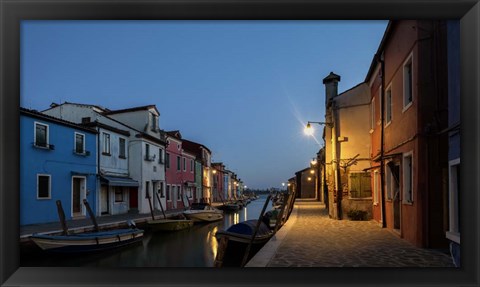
(218, 188)
(179, 173)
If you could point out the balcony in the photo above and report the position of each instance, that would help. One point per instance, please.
(149, 157)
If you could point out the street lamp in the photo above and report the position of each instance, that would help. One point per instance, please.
(309, 129)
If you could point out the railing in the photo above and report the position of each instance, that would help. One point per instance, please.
(149, 158)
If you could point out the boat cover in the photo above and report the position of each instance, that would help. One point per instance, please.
(248, 227)
(100, 234)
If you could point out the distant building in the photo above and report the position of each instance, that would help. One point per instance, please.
(305, 183)
(203, 155)
(58, 162)
(218, 189)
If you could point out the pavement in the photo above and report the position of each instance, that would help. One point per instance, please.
(311, 239)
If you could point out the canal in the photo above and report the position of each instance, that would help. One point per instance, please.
(194, 247)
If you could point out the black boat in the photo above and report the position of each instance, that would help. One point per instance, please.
(235, 241)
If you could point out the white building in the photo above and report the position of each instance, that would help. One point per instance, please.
(144, 150)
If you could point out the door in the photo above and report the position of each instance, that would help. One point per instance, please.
(174, 196)
(78, 194)
(104, 200)
(395, 169)
(133, 198)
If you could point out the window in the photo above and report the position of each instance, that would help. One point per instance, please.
(43, 186)
(178, 162)
(153, 121)
(167, 160)
(191, 165)
(184, 164)
(122, 148)
(388, 106)
(168, 192)
(160, 189)
(407, 83)
(79, 143)
(118, 194)
(41, 135)
(160, 155)
(106, 144)
(454, 201)
(407, 178)
(147, 189)
(360, 185)
(147, 151)
(178, 194)
(376, 187)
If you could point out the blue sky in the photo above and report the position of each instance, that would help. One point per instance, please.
(244, 89)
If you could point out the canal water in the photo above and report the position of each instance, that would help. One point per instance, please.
(194, 247)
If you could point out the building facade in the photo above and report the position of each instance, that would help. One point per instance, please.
(58, 163)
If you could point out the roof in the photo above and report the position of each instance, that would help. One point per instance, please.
(107, 127)
(193, 146)
(176, 134)
(303, 170)
(151, 138)
(54, 105)
(134, 109)
(386, 35)
(40, 115)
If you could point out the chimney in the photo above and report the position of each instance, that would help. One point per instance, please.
(331, 87)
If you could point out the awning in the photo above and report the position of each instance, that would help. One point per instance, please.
(119, 181)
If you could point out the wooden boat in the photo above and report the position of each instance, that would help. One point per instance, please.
(169, 224)
(165, 224)
(203, 212)
(242, 241)
(234, 242)
(86, 242)
(229, 207)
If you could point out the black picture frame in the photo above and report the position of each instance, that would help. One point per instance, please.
(14, 11)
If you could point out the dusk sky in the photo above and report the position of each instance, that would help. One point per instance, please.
(244, 89)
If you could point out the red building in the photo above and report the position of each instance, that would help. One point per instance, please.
(218, 186)
(408, 108)
(179, 173)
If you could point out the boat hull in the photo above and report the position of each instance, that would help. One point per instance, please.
(88, 242)
(236, 239)
(203, 216)
(169, 224)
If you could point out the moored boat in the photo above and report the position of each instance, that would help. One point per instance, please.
(203, 212)
(88, 242)
(169, 224)
(229, 207)
(234, 242)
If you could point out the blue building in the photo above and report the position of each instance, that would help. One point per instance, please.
(57, 162)
(453, 54)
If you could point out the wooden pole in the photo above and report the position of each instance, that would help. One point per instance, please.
(61, 216)
(90, 213)
(150, 204)
(259, 221)
(161, 206)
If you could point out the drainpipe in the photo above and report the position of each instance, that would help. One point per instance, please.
(336, 162)
(381, 59)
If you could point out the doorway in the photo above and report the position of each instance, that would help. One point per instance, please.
(78, 194)
(104, 200)
(395, 170)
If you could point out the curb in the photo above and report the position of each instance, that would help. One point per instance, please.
(263, 257)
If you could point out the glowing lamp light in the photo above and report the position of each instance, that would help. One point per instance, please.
(308, 130)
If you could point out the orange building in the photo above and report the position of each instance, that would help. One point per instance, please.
(408, 111)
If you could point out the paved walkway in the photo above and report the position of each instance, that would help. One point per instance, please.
(311, 239)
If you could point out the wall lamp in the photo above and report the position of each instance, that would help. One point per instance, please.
(309, 129)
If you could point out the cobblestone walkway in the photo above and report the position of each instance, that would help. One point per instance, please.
(315, 240)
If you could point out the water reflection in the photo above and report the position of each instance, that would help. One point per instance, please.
(194, 247)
